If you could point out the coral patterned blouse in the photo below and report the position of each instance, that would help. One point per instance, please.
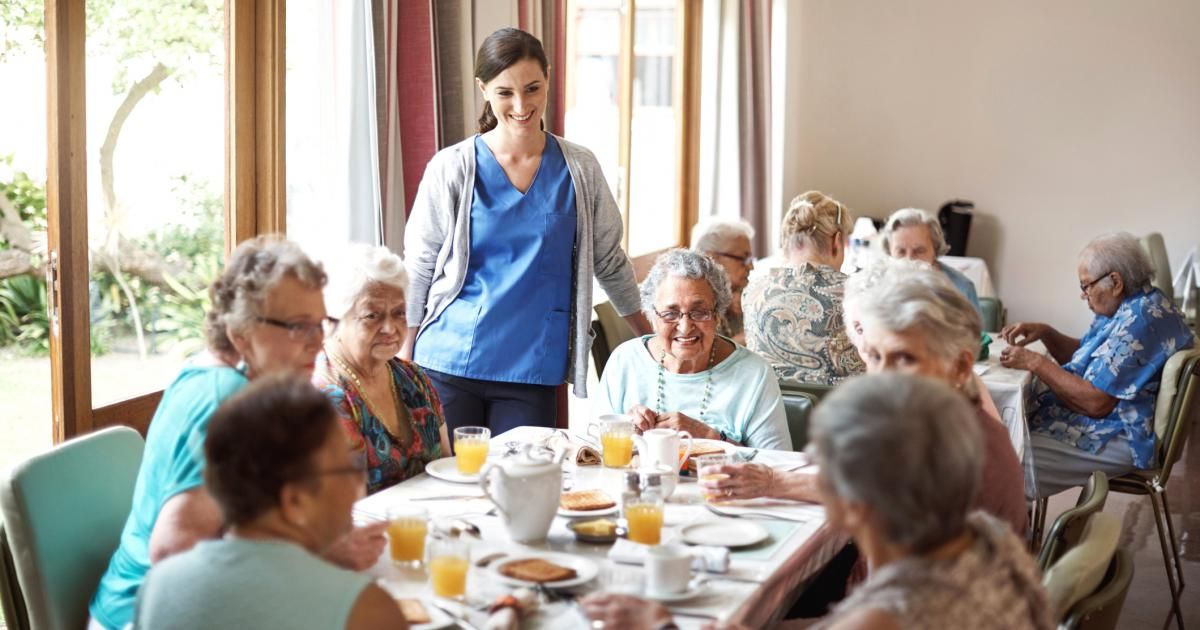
(388, 463)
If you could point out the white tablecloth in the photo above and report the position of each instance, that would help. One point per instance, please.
(764, 585)
(1011, 390)
(975, 270)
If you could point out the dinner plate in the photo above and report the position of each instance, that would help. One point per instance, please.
(695, 588)
(585, 570)
(446, 469)
(724, 533)
(612, 509)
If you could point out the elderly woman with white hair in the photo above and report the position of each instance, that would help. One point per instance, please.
(687, 377)
(1094, 407)
(794, 312)
(387, 405)
(727, 241)
(917, 235)
(914, 322)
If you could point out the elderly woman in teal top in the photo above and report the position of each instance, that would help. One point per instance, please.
(917, 235)
(1094, 406)
(685, 376)
(507, 231)
(266, 316)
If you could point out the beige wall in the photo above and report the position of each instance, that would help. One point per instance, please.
(1060, 119)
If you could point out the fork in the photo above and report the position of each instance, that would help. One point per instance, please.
(768, 515)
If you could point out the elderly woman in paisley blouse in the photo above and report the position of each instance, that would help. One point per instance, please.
(793, 314)
(1095, 406)
(386, 405)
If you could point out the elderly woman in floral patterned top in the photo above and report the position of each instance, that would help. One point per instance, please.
(1094, 409)
(793, 314)
(386, 405)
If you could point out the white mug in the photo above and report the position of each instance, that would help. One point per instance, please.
(668, 569)
(661, 446)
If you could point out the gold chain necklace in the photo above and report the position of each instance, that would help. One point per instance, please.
(401, 416)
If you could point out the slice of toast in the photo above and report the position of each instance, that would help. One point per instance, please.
(413, 610)
(697, 451)
(585, 500)
(536, 570)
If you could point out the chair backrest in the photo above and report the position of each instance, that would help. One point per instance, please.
(63, 513)
(816, 390)
(1156, 251)
(12, 602)
(1067, 530)
(1102, 609)
(1177, 407)
(616, 331)
(1080, 571)
(798, 406)
(993, 313)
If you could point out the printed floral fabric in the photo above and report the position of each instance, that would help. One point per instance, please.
(388, 463)
(793, 318)
(1122, 355)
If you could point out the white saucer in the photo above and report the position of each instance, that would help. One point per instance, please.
(446, 469)
(695, 588)
(724, 533)
(612, 509)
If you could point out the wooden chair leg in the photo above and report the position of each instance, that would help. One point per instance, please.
(1162, 542)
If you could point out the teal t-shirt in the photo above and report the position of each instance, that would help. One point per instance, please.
(173, 462)
(239, 583)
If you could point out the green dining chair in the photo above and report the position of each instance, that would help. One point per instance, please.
(63, 514)
(1067, 530)
(1081, 570)
(1102, 609)
(799, 399)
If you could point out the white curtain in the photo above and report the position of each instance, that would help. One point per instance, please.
(332, 140)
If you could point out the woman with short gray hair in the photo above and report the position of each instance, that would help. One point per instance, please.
(917, 235)
(933, 565)
(1094, 403)
(728, 242)
(687, 377)
(387, 405)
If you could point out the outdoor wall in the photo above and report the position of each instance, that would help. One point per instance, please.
(1061, 120)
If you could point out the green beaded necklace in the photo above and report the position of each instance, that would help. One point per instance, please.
(662, 381)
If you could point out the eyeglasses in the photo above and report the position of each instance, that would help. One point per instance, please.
(696, 315)
(1083, 287)
(298, 330)
(745, 260)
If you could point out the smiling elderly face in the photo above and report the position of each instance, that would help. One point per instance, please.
(686, 339)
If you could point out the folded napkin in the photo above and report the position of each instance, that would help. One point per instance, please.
(711, 559)
(581, 454)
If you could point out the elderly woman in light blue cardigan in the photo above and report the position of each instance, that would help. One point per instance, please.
(508, 230)
(687, 377)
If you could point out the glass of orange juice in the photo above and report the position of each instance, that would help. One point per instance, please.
(449, 559)
(644, 517)
(471, 448)
(407, 528)
(705, 469)
(616, 443)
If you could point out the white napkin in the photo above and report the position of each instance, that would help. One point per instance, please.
(711, 559)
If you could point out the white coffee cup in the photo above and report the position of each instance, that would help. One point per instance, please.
(668, 569)
(661, 446)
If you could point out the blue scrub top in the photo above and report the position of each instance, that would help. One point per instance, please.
(511, 320)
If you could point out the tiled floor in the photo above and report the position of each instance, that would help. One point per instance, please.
(1149, 602)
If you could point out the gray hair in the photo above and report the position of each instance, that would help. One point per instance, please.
(714, 233)
(869, 432)
(1118, 252)
(683, 263)
(909, 217)
(255, 267)
(916, 297)
(356, 267)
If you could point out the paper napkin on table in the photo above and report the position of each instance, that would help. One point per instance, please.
(711, 559)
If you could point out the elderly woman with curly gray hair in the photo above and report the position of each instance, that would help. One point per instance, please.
(1094, 409)
(687, 377)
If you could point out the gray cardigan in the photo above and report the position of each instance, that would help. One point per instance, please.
(437, 244)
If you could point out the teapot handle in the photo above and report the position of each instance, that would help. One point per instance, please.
(642, 449)
(485, 478)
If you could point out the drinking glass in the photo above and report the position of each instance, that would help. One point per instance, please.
(704, 470)
(407, 527)
(471, 448)
(644, 517)
(449, 560)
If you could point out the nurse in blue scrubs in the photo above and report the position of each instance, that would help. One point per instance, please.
(507, 232)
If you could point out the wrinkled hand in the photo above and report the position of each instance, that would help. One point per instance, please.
(1024, 333)
(644, 418)
(624, 611)
(1019, 358)
(744, 481)
(680, 422)
(358, 550)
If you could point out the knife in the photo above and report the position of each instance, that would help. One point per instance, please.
(448, 497)
(460, 619)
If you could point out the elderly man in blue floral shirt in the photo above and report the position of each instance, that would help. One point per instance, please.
(1095, 411)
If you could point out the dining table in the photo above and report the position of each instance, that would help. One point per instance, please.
(1012, 390)
(757, 588)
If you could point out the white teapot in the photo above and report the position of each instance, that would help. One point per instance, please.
(526, 491)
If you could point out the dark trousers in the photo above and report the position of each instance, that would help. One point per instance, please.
(492, 404)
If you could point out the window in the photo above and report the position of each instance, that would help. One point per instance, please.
(630, 99)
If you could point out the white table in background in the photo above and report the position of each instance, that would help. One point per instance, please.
(976, 270)
(1012, 390)
(768, 584)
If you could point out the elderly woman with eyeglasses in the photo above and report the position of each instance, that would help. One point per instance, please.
(687, 377)
(794, 312)
(727, 241)
(1094, 408)
(387, 405)
(917, 235)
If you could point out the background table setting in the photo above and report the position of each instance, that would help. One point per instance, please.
(1012, 391)
(753, 557)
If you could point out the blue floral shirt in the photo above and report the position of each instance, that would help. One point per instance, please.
(1123, 356)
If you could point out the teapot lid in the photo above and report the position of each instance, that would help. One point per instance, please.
(531, 459)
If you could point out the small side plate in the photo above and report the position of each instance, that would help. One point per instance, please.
(724, 533)
(446, 469)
